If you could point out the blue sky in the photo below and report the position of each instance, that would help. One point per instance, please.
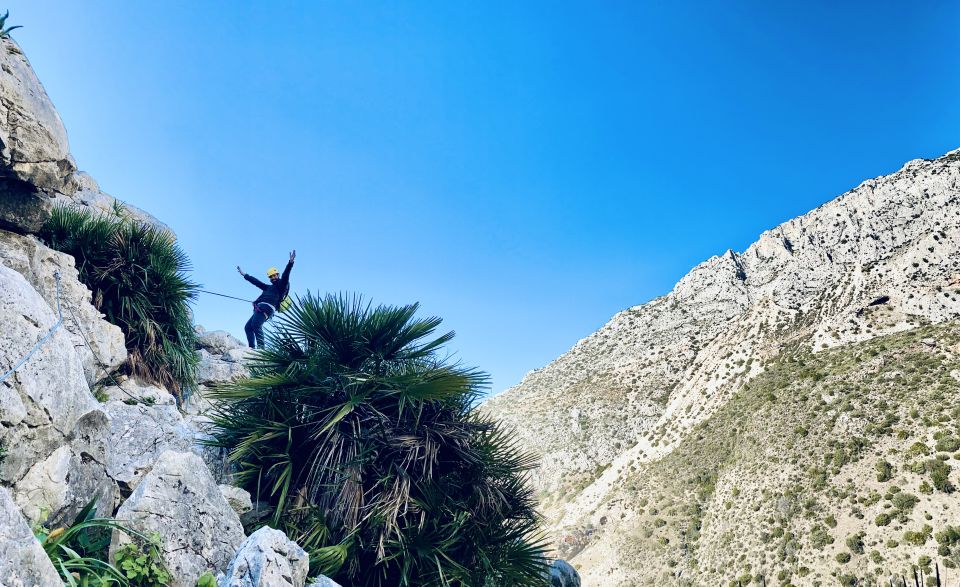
(523, 169)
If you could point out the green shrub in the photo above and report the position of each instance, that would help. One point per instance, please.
(948, 444)
(137, 275)
(363, 439)
(918, 538)
(939, 475)
(142, 563)
(819, 537)
(843, 557)
(882, 519)
(884, 471)
(79, 552)
(855, 543)
(904, 502)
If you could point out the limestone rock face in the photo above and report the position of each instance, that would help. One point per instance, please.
(46, 403)
(130, 389)
(34, 152)
(268, 557)
(214, 369)
(36, 168)
(218, 342)
(140, 434)
(37, 263)
(239, 499)
(89, 195)
(57, 488)
(22, 560)
(180, 499)
(882, 258)
(323, 581)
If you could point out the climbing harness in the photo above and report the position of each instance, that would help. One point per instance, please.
(36, 347)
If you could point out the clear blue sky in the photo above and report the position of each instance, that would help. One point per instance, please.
(523, 169)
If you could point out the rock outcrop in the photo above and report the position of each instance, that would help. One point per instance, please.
(268, 557)
(34, 153)
(99, 344)
(22, 560)
(180, 499)
(140, 434)
(46, 403)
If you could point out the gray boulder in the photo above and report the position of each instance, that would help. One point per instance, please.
(22, 560)
(213, 369)
(180, 500)
(54, 490)
(323, 581)
(218, 342)
(268, 559)
(140, 434)
(562, 574)
(46, 402)
(239, 499)
(37, 263)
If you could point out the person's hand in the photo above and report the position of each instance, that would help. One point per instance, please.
(240, 271)
(293, 255)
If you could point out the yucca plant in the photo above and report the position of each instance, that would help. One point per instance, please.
(361, 435)
(137, 274)
(4, 29)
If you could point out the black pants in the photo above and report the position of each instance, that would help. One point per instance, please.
(254, 326)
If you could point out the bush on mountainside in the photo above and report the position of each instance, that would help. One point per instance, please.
(137, 275)
(361, 435)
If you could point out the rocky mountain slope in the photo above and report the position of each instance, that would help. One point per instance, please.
(880, 259)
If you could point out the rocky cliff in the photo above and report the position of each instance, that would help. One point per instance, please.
(61, 444)
(880, 259)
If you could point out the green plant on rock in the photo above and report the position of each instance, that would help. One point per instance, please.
(79, 552)
(4, 29)
(137, 274)
(141, 562)
(364, 440)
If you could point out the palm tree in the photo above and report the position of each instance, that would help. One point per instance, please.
(138, 275)
(361, 436)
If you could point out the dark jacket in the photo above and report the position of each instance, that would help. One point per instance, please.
(272, 292)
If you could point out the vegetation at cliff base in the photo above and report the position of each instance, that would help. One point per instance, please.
(137, 274)
(360, 433)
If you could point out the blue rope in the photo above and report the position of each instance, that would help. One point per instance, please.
(36, 347)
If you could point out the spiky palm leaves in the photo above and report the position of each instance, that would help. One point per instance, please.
(361, 436)
(137, 275)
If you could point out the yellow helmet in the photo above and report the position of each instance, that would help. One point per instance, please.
(272, 271)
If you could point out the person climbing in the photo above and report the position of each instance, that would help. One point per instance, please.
(265, 306)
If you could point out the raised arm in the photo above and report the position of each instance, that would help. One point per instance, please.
(285, 277)
(252, 279)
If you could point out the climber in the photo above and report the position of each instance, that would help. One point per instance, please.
(266, 305)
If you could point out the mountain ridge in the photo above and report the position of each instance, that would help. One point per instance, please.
(632, 390)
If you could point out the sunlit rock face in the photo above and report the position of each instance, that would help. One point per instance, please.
(880, 259)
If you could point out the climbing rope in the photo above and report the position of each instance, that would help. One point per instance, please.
(36, 347)
(224, 295)
(100, 363)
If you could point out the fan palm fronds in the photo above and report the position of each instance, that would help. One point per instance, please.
(361, 436)
(137, 274)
